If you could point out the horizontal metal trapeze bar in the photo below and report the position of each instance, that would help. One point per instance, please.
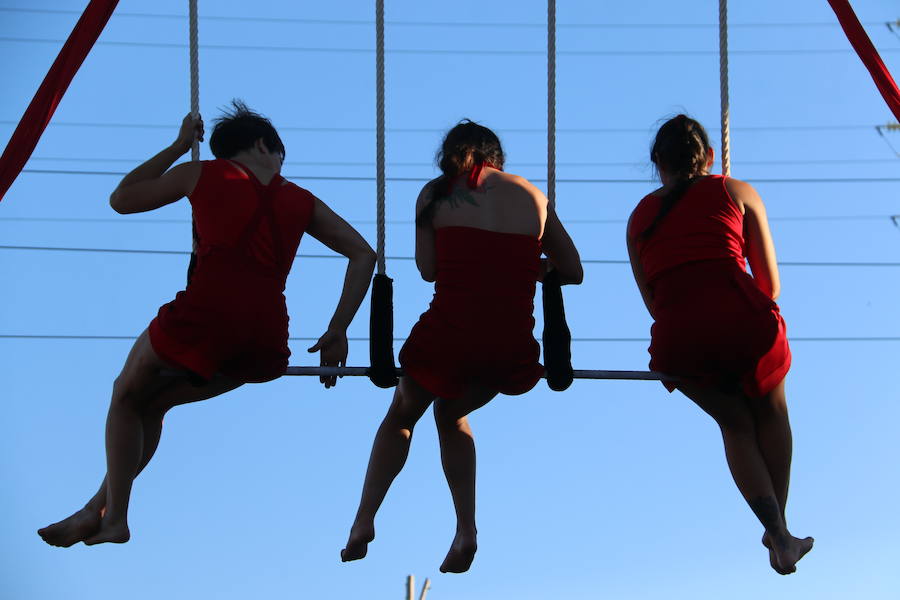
(578, 373)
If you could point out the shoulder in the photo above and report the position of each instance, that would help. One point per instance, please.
(736, 186)
(426, 193)
(643, 214)
(297, 194)
(519, 184)
(742, 193)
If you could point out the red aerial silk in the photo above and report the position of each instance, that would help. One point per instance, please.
(55, 84)
(867, 52)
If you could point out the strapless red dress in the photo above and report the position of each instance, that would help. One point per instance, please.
(478, 328)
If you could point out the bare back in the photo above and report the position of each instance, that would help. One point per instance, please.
(499, 202)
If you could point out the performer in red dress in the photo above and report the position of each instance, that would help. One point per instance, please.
(716, 327)
(479, 236)
(230, 326)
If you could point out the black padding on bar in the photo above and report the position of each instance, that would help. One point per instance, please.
(381, 333)
(557, 337)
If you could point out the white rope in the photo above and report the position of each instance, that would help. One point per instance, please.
(579, 374)
(379, 130)
(195, 72)
(723, 86)
(551, 101)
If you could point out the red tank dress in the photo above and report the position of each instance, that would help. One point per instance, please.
(712, 322)
(232, 318)
(478, 328)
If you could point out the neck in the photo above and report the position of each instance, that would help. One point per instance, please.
(251, 161)
(669, 180)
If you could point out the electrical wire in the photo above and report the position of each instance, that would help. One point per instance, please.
(366, 23)
(538, 180)
(18, 336)
(451, 51)
(410, 258)
(439, 131)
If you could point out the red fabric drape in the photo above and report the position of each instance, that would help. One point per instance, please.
(55, 84)
(867, 52)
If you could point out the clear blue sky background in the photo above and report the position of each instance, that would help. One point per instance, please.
(610, 490)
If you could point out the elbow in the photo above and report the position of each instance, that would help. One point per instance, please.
(775, 292)
(428, 275)
(365, 256)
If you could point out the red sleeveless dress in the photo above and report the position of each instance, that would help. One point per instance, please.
(232, 318)
(712, 323)
(478, 328)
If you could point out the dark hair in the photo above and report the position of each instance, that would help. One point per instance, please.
(466, 145)
(239, 128)
(680, 149)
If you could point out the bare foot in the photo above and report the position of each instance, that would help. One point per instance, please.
(773, 562)
(71, 530)
(116, 533)
(461, 554)
(784, 553)
(358, 542)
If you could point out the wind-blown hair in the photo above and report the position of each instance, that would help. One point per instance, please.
(239, 128)
(680, 149)
(466, 145)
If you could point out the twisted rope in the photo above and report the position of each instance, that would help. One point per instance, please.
(379, 130)
(195, 71)
(551, 101)
(723, 86)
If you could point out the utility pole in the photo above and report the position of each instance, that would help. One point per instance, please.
(411, 587)
(425, 587)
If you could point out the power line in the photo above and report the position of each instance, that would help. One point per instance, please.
(15, 336)
(538, 180)
(154, 221)
(505, 24)
(410, 258)
(333, 163)
(438, 130)
(451, 51)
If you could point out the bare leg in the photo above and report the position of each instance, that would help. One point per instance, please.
(458, 460)
(750, 471)
(773, 431)
(150, 403)
(389, 452)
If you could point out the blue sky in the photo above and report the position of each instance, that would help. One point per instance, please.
(610, 490)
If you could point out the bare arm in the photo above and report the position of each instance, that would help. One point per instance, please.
(638, 271)
(150, 185)
(561, 251)
(330, 229)
(757, 237)
(426, 259)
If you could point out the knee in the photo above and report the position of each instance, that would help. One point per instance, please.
(737, 425)
(400, 415)
(124, 395)
(771, 407)
(447, 418)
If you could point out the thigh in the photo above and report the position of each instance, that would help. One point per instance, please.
(411, 399)
(181, 391)
(474, 398)
(773, 403)
(142, 373)
(730, 410)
